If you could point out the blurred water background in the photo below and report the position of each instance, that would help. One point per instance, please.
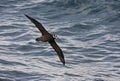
(88, 32)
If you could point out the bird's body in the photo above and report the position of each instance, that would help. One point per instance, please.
(47, 37)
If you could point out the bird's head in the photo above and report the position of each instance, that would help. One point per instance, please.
(37, 39)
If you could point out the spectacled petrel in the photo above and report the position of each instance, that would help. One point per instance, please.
(47, 37)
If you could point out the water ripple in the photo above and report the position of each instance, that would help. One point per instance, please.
(87, 31)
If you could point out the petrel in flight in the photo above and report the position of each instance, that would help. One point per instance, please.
(47, 37)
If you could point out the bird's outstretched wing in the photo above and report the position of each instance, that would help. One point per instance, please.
(58, 50)
(38, 25)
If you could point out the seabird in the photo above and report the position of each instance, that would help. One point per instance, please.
(47, 37)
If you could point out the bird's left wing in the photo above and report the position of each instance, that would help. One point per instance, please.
(38, 25)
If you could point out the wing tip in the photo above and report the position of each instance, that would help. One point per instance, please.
(27, 16)
(63, 63)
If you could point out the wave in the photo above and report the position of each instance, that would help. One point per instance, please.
(74, 3)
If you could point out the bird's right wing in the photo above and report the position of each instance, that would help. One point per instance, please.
(38, 25)
(58, 50)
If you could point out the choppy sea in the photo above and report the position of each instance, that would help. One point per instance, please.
(88, 32)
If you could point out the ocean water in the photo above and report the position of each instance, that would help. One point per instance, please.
(88, 32)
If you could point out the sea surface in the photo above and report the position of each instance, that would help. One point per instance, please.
(88, 32)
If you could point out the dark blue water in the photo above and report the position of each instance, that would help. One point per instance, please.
(88, 32)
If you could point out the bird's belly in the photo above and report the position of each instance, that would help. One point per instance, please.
(46, 38)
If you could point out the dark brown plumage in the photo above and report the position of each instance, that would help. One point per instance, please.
(47, 37)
